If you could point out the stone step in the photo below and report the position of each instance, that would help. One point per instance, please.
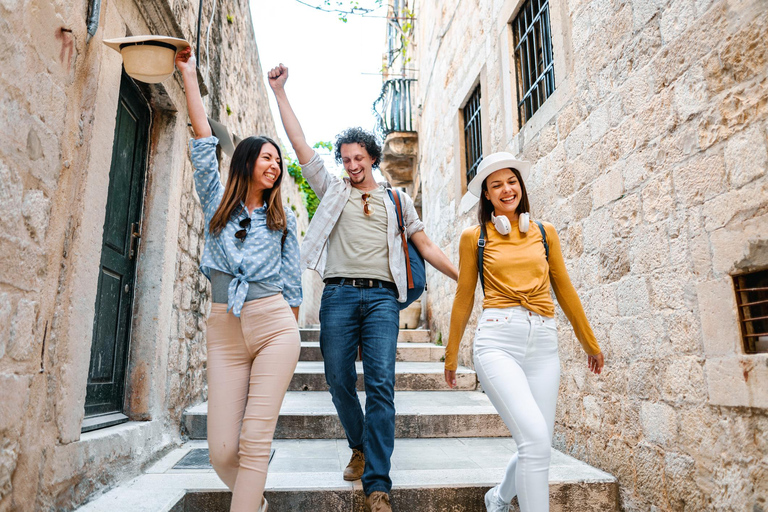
(419, 414)
(428, 475)
(405, 336)
(413, 352)
(409, 376)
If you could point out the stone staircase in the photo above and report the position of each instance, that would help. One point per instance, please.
(450, 447)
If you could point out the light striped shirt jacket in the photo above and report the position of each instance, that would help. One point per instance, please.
(333, 193)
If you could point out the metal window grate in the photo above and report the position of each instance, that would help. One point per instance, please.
(533, 58)
(752, 300)
(473, 137)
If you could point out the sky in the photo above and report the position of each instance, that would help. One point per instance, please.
(333, 66)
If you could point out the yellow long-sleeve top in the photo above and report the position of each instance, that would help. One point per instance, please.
(516, 273)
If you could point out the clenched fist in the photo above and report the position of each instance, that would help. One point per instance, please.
(277, 77)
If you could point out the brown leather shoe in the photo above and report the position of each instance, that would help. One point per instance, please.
(377, 501)
(354, 469)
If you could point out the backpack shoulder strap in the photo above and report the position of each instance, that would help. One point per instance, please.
(400, 224)
(395, 197)
(480, 251)
(543, 238)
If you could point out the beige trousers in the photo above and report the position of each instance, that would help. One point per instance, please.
(251, 360)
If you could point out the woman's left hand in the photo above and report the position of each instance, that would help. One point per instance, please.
(595, 363)
(185, 61)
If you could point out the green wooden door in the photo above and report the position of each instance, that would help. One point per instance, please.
(112, 322)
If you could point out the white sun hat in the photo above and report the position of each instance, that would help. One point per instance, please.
(493, 163)
(148, 58)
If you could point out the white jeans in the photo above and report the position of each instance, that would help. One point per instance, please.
(519, 368)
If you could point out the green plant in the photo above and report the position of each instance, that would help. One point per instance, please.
(345, 8)
(406, 34)
(229, 111)
(309, 198)
(324, 144)
(230, 19)
(442, 359)
(439, 340)
(302, 233)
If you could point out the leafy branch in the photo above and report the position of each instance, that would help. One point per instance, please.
(404, 31)
(345, 8)
(308, 196)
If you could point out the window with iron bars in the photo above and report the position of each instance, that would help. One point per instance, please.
(752, 300)
(473, 137)
(533, 58)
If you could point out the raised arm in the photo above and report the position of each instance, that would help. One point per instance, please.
(185, 61)
(277, 78)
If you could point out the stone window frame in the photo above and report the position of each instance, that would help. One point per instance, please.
(733, 377)
(517, 133)
(542, 81)
(477, 78)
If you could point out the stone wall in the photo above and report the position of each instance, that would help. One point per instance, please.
(650, 160)
(58, 98)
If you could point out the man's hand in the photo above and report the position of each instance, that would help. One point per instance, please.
(185, 61)
(277, 77)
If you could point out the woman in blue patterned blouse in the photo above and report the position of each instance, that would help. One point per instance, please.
(251, 257)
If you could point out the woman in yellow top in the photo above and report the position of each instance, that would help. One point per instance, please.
(515, 348)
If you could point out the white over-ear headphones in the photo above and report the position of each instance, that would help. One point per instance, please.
(523, 222)
(504, 227)
(501, 223)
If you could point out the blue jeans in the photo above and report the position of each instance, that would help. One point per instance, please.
(369, 316)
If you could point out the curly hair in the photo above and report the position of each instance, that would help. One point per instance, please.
(365, 138)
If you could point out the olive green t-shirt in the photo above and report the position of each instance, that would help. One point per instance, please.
(357, 246)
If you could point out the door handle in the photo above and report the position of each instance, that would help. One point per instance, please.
(135, 236)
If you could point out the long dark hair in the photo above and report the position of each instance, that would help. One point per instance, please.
(239, 182)
(486, 207)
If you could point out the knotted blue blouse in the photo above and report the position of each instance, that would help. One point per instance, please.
(261, 257)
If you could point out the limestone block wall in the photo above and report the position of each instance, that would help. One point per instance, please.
(650, 160)
(58, 99)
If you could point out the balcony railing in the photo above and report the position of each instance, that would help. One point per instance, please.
(393, 107)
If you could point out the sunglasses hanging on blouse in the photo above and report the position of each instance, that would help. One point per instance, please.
(242, 233)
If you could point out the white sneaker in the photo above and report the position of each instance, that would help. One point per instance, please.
(264, 505)
(493, 502)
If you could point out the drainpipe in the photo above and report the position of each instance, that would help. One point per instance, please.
(199, 20)
(94, 11)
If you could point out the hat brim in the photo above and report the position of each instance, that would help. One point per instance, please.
(115, 44)
(475, 187)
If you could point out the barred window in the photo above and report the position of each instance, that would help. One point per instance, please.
(533, 58)
(473, 137)
(752, 300)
